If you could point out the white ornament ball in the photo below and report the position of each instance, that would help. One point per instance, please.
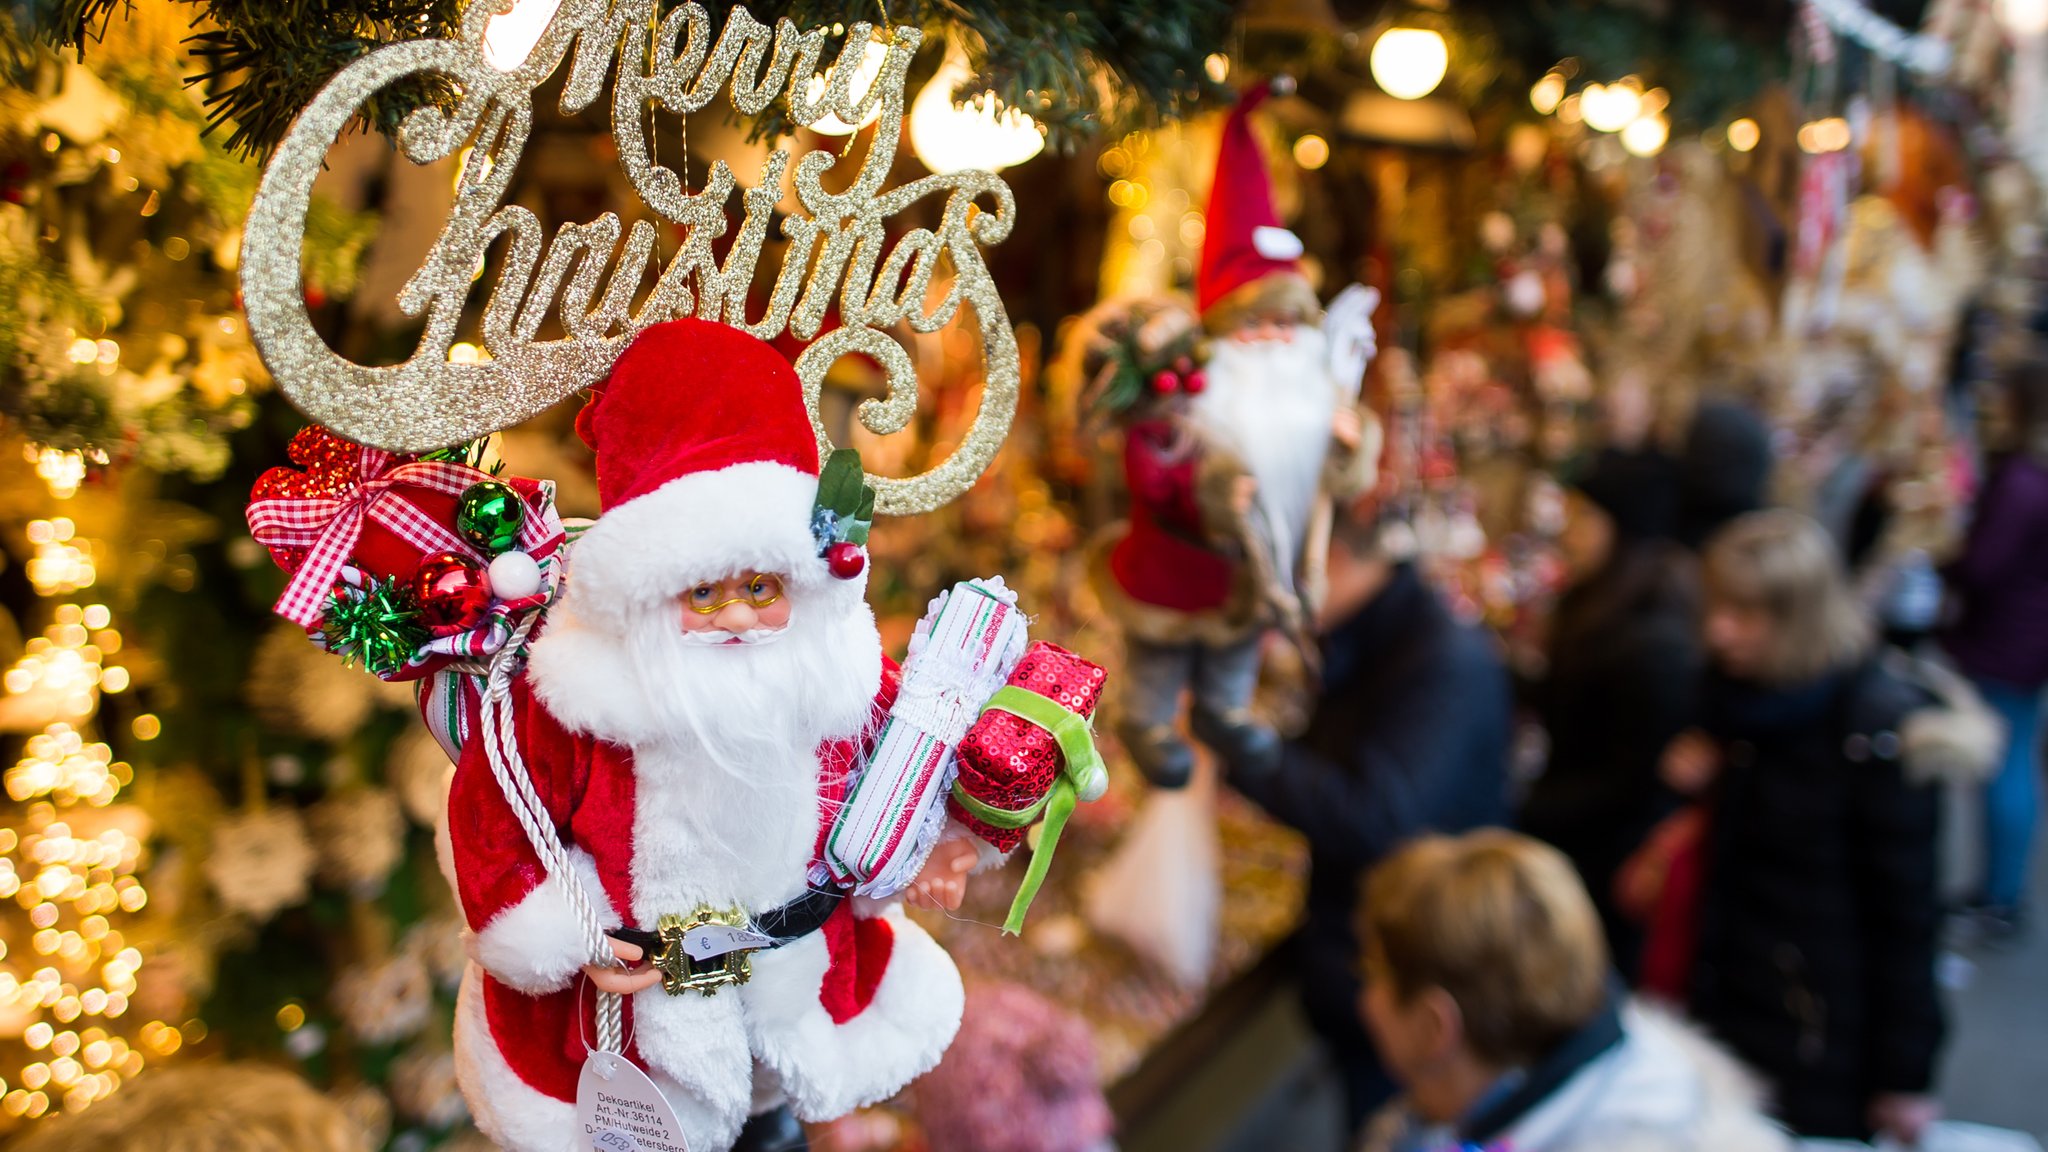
(514, 576)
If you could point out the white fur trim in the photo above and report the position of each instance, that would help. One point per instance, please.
(831, 1069)
(521, 1118)
(705, 526)
(515, 1116)
(1276, 243)
(537, 945)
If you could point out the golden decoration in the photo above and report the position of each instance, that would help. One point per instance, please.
(838, 245)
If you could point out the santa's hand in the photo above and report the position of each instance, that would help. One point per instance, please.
(1244, 491)
(622, 981)
(942, 883)
(1347, 427)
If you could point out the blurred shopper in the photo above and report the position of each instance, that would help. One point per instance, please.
(1410, 736)
(1724, 470)
(1487, 990)
(2000, 637)
(1818, 914)
(1623, 664)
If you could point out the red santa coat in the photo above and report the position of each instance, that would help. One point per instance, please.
(1165, 575)
(837, 1020)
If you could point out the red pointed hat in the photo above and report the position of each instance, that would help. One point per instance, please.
(1244, 241)
(707, 466)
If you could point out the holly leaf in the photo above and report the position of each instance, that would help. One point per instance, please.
(841, 483)
(863, 517)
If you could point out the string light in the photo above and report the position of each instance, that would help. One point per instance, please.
(1646, 135)
(1744, 134)
(1311, 151)
(1829, 135)
(71, 861)
(1547, 93)
(64, 470)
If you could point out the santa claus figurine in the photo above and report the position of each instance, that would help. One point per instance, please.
(1227, 467)
(689, 715)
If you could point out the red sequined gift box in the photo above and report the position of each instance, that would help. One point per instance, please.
(1010, 763)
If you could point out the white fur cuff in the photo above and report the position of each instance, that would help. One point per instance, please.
(537, 945)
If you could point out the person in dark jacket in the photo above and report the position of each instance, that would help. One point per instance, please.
(2000, 636)
(1724, 470)
(1819, 912)
(1623, 663)
(1409, 736)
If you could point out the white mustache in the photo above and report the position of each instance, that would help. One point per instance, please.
(751, 637)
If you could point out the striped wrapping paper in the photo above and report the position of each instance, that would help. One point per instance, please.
(962, 652)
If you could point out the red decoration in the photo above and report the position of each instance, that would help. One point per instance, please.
(330, 469)
(451, 591)
(1007, 761)
(1165, 383)
(1194, 382)
(846, 559)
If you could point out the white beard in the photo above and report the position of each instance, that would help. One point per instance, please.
(724, 737)
(1271, 403)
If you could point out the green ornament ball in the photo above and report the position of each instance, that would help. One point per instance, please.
(490, 516)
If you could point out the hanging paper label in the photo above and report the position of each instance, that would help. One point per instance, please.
(618, 1109)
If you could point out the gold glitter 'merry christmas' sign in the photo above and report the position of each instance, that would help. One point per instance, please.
(838, 245)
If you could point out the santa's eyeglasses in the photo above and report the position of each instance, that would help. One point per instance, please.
(759, 589)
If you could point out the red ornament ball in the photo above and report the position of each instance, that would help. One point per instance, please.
(1195, 382)
(451, 590)
(846, 559)
(1165, 383)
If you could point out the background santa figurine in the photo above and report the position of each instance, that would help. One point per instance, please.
(689, 715)
(1172, 574)
(1229, 477)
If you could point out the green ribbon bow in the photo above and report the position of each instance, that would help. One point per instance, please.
(1082, 772)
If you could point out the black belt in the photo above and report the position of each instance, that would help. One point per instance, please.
(785, 925)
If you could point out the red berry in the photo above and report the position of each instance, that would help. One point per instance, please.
(1196, 381)
(846, 559)
(1166, 383)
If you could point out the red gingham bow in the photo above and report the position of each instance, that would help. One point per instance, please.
(331, 525)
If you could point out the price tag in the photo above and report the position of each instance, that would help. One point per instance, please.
(618, 1109)
(706, 941)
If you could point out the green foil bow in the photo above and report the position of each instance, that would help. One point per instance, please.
(1082, 776)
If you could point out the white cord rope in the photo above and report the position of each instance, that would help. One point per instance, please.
(501, 748)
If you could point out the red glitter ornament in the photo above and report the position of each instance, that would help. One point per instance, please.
(331, 468)
(1008, 762)
(452, 592)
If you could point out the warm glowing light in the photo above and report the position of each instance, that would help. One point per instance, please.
(2024, 17)
(509, 38)
(62, 470)
(981, 133)
(864, 75)
(1645, 135)
(1547, 93)
(1311, 151)
(1408, 63)
(1611, 107)
(1829, 135)
(291, 1018)
(1744, 134)
(1217, 66)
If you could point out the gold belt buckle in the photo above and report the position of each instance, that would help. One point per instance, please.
(682, 973)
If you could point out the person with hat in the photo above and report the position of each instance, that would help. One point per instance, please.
(1622, 662)
(689, 714)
